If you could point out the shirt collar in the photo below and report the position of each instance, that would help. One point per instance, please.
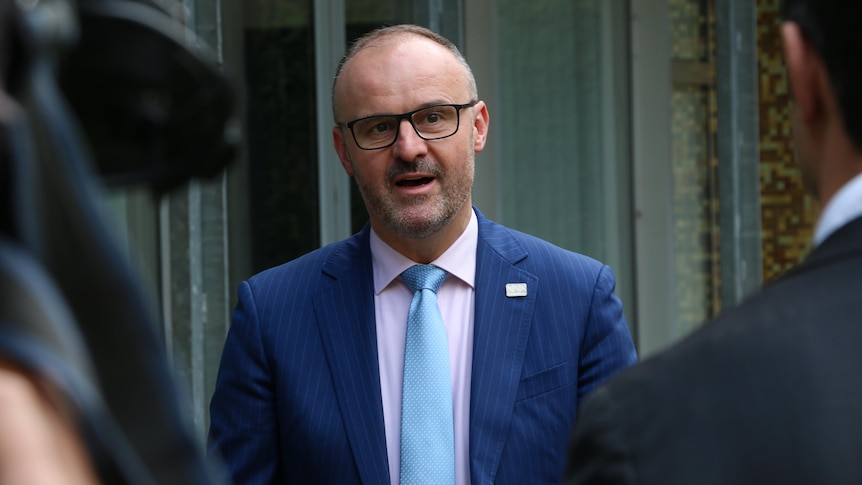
(459, 260)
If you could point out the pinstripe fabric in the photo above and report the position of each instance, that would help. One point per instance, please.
(298, 393)
(538, 354)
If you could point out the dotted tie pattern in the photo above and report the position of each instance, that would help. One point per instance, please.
(427, 430)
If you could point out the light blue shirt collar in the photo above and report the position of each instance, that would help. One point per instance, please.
(845, 206)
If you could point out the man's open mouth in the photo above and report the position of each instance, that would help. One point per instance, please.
(414, 182)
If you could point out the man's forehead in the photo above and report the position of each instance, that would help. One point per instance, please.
(406, 64)
(401, 51)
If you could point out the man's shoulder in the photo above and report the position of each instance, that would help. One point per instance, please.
(779, 349)
(783, 319)
(512, 241)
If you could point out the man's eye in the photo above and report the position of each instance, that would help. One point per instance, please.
(381, 127)
(376, 127)
(432, 118)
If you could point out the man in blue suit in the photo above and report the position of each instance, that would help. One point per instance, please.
(310, 384)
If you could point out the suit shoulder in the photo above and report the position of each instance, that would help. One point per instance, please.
(729, 344)
(539, 250)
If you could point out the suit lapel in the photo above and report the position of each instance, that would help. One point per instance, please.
(501, 327)
(345, 314)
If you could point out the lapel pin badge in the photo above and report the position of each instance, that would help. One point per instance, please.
(515, 290)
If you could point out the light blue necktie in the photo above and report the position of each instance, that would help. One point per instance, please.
(427, 429)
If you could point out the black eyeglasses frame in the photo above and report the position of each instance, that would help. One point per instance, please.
(409, 117)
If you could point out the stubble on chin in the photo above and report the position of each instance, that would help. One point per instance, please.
(422, 218)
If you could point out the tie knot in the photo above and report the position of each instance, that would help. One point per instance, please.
(423, 276)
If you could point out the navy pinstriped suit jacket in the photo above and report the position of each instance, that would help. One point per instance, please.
(298, 393)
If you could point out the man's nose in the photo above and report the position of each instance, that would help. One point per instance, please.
(409, 146)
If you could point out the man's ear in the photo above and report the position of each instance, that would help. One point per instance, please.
(480, 126)
(341, 150)
(805, 74)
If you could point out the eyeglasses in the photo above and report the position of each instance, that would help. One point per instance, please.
(430, 123)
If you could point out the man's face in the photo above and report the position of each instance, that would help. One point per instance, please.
(414, 188)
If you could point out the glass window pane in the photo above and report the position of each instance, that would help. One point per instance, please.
(562, 120)
(694, 160)
(281, 134)
(695, 212)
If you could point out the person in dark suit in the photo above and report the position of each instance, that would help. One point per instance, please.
(771, 391)
(310, 382)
